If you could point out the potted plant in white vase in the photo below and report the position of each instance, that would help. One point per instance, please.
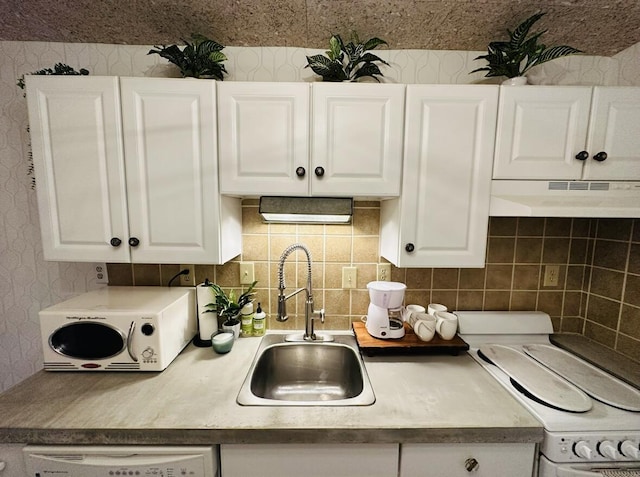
(514, 57)
(228, 307)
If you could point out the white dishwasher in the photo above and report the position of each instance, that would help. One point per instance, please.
(108, 461)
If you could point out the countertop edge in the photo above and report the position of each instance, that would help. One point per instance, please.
(281, 436)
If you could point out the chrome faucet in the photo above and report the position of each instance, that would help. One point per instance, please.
(309, 312)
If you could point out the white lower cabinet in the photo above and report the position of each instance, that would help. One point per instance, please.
(12, 460)
(441, 218)
(458, 460)
(309, 460)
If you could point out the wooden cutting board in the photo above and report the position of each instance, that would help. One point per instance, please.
(408, 344)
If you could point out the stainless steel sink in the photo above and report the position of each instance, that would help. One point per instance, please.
(303, 373)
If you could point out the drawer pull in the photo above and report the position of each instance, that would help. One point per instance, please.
(471, 464)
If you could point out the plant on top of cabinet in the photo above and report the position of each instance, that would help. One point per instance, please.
(348, 62)
(200, 58)
(58, 69)
(514, 57)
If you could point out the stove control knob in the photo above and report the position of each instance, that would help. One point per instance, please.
(608, 449)
(629, 449)
(582, 449)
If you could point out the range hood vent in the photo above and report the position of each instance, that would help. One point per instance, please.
(306, 210)
(514, 198)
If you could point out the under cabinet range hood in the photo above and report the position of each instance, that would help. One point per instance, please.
(516, 198)
(306, 210)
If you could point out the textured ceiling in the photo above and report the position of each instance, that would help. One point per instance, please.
(597, 27)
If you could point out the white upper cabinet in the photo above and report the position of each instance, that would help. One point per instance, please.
(357, 139)
(568, 132)
(301, 139)
(615, 130)
(441, 218)
(172, 172)
(264, 138)
(78, 159)
(167, 141)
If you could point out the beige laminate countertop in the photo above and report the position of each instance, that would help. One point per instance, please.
(193, 401)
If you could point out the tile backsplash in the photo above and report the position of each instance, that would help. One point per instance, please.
(597, 294)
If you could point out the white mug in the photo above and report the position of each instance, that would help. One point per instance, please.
(433, 307)
(409, 311)
(446, 324)
(425, 326)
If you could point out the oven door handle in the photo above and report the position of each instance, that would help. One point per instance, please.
(573, 472)
(132, 328)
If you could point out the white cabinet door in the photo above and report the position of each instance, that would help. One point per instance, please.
(79, 167)
(172, 176)
(462, 460)
(615, 130)
(357, 139)
(12, 462)
(264, 138)
(441, 218)
(540, 131)
(309, 460)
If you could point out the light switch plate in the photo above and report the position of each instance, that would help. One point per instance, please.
(349, 277)
(247, 273)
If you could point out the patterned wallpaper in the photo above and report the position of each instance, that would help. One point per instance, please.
(28, 283)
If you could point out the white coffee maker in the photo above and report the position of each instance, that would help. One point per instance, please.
(384, 318)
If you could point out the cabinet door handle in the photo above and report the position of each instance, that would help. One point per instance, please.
(582, 156)
(471, 464)
(601, 156)
(319, 171)
(409, 247)
(115, 242)
(134, 242)
(300, 172)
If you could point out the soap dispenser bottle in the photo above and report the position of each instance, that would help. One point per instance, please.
(259, 322)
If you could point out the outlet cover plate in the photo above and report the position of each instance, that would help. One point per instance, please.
(384, 272)
(188, 280)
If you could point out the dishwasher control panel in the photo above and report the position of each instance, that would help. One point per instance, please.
(120, 461)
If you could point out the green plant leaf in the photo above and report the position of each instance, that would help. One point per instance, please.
(373, 43)
(328, 69)
(368, 69)
(522, 30)
(369, 58)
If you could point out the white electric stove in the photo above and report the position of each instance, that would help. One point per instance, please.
(591, 419)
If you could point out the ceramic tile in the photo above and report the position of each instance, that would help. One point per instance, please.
(499, 277)
(610, 254)
(600, 334)
(608, 283)
(526, 277)
(629, 347)
(523, 300)
(603, 311)
(503, 226)
(550, 302)
(146, 275)
(630, 321)
(555, 250)
(472, 278)
(528, 250)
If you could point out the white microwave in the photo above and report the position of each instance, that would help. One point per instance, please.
(118, 329)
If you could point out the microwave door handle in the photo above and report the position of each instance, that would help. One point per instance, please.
(130, 341)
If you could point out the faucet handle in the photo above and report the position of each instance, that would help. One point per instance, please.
(321, 314)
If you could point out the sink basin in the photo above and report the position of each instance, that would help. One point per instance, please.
(302, 373)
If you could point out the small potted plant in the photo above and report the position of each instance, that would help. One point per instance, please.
(514, 57)
(348, 62)
(228, 306)
(200, 58)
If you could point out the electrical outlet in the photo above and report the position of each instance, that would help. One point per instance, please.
(101, 273)
(384, 272)
(188, 280)
(551, 273)
(247, 273)
(349, 277)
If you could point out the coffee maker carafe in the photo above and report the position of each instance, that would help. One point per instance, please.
(384, 318)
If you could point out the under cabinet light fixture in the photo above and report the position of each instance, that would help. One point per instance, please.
(306, 210)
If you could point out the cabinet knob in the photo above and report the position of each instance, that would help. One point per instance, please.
(115, 242)
(134, 242)
(471, 464)
(319, 171)
(300, 172)
(582, 156)
(601, 156)
(409, 247)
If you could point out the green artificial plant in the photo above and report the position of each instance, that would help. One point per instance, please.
(228, 306)
(200, 58)
(348, 62)
(516, 56)
(58, 69)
